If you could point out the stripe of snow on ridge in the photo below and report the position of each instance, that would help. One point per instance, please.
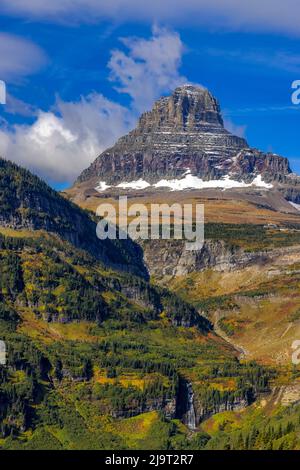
(193, 182)
(188, 182)
(102, 186)
(139, 184)
(297, 206)
(258, 181)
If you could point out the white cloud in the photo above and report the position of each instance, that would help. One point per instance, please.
(65, 140)
(60, 144)
(16, 106)
(150, 67)
(235, 129)
(19, 57)
(254, 15)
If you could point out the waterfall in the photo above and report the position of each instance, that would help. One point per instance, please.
(185, 409)
(190, 414)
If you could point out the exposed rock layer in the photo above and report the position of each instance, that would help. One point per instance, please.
(170, 258)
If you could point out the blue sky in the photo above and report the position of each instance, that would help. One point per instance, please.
(78, 78)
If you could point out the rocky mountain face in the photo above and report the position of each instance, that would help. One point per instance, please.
(168, 258)
(184, 132)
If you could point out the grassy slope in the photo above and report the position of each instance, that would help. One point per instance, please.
(234, 209)
(257, 307)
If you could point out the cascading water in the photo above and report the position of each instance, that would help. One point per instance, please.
(190, 414)
(185, 408)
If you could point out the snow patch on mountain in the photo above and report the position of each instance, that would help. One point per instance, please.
(194, 182)
(297, 206)
(189, 182)
(102, 186)
(139, 184)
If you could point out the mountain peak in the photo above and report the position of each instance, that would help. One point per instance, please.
(191, 90)
(188, 108)
(184, 131)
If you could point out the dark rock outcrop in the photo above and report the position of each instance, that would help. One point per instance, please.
(165, 405)
(203, 412)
